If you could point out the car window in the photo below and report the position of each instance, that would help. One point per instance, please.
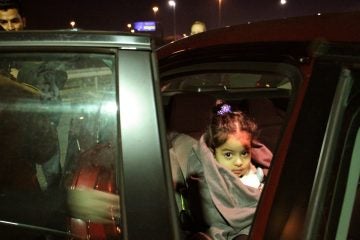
(59, 131)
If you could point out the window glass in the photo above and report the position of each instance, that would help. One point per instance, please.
(58, 128)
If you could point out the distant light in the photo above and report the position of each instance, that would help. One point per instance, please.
(155, 9)
(128, 25)
(132, 30)
(72, 24)
(184, 35)
(283, 2)
(172, 3)
(318, 13)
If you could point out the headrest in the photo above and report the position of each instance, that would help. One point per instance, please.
(269, 119)
(190, 113)
(264, 112)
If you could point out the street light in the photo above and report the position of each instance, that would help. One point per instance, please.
(172, 4)
(72, 24)
(129, 26)
(219, 17)
(155, 10)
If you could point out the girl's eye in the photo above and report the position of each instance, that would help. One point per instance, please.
(228, 154)
(244, 153)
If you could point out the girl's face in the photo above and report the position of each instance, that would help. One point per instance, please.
(234, 154)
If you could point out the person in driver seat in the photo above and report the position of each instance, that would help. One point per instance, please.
(27, 136)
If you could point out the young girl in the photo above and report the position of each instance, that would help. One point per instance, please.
(230, 138)
(223, 177)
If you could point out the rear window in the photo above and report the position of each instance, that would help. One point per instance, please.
(227, 81)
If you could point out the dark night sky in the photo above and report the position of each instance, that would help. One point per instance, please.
(115, 14)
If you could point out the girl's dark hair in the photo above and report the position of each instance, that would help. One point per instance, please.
(225, 122)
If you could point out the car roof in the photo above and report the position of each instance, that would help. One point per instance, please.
(53, 38)
(335, 27)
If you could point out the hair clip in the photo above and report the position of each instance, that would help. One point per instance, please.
(224, 109)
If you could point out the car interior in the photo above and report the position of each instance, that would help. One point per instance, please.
(189, 98)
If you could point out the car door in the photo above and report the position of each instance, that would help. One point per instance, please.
(88, 103)
(317, 186)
